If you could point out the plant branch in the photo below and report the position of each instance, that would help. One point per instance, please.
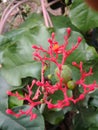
(47, 19)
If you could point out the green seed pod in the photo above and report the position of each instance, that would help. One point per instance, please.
(66, 74)
(49, 76)
(71, 84)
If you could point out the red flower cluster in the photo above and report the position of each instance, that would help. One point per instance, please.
(44, 88)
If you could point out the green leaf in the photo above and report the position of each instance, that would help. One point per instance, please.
(14, 74)
(95, 93)
(33, 21)
(93, 128)
(14, 101)
(93, 64)
(3, 96)
(17, 62)
(22, 123)
(4, 42)
(62, 22)
(94, 102)
(58, 95)
(94, 97)
(86, 118)
(83, 17)
(54, 117)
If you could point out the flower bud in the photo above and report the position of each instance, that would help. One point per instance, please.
(9, 111)
(79, 39)
(68, 30)
(9, 93)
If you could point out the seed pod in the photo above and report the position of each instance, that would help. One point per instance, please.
(66, 73)
(71, 84)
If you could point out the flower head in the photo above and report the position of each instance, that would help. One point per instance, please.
(45, 88)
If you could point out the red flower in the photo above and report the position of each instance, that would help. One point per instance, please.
(44, 87)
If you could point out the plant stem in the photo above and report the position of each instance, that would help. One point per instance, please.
(42, 107)
(44, 13)
(49, 19)
(4, 20)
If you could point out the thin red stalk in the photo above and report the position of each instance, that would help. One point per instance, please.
(42, 72)
(64, 53)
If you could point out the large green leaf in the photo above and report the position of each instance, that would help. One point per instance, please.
(93, 128)
(62, 22)
(94, 96)
(3, 96)
(83, 17)
(93, 64)
(22, 123)
(4, 42)
(54, 117)
(18, 61)
(86, 118)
